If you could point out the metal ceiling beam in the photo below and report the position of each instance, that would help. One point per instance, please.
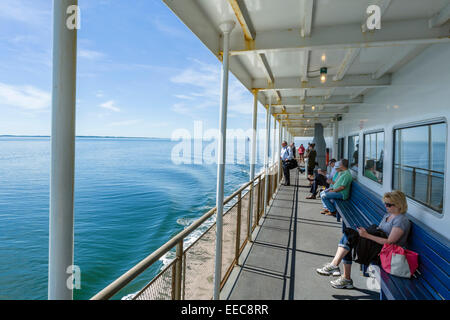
(197, 21)
(359, 92)
(304, 66)
(393, 33)
(399, 58)
(349, 58)
(266, 67)
(335, 100)
(307, 16)
(289, 83)
(241, 12)
(313, 114)
(440, 18)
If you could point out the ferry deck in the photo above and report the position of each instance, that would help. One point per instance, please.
(368, 81)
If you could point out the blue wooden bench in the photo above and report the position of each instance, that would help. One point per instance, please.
(431, 280)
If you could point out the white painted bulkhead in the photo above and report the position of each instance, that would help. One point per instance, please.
(420, 91)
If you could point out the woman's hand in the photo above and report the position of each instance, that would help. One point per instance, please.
(362, 232)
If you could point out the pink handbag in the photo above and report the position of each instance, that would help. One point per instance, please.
(398, 261)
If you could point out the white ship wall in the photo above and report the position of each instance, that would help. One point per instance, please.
(420, 91)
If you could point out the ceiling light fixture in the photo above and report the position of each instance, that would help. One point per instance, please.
(323, 74)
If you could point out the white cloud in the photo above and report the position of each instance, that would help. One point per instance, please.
(24, 11)
(24, 97)
(124, 123)
(110, 105)
(90, 54)
(185, 97)
(203, 81)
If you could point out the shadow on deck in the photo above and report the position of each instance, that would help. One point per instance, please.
(292, 241)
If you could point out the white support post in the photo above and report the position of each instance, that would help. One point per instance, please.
(280, 140)
(274, 144)
(226, 28)
(266, 156)
(253, 154)
(61, 234)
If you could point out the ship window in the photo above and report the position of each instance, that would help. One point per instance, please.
(340, 154)
(353, 152)
(419, 163)
(373, 156)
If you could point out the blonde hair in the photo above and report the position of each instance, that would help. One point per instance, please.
(398, 198)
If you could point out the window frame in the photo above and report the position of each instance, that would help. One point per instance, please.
(341, 149)
(376, 131)
(423, 123)
(348, 155)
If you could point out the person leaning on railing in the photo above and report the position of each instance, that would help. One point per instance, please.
(340, 189)
(394, 224)
(286, 156)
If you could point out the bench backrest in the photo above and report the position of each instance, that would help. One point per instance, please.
(433, 249)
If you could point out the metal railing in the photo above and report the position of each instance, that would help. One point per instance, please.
(190, 274)
(429, 183)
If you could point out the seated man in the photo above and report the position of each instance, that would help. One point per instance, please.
(370, 171)
(323, 179)
(340, 190)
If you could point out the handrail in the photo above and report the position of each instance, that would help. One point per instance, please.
(418, 168)
(135, 271)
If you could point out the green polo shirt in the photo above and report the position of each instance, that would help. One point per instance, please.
(369, 174)
(345, 179)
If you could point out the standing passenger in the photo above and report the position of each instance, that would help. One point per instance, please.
(311, 161)
(286, 156)
(301, 152)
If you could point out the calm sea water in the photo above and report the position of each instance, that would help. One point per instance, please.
(129, 200)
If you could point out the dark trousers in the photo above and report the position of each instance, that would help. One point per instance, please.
(319, 180)
(287, 173)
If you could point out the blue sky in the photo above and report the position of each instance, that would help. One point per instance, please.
(141, 72)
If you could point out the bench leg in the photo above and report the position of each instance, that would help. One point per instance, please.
(382, 295)
(338, 217)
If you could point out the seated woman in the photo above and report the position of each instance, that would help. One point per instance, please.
(394, 224)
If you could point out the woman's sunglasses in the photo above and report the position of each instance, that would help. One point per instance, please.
(388, 205)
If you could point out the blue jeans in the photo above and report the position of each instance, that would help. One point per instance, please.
(326, 198)
(344, 244)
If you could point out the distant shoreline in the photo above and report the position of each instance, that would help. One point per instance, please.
(97, 137)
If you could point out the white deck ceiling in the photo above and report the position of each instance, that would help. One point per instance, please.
(278, 46)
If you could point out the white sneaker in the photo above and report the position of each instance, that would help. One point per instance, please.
(342, 283)
(328, 269)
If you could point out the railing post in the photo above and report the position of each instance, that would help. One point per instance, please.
(238, 227)
(178, 271)
(250, 211)
(258, 203)
(429, 186)
(413, 187)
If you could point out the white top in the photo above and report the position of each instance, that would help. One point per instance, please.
(286, 153)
